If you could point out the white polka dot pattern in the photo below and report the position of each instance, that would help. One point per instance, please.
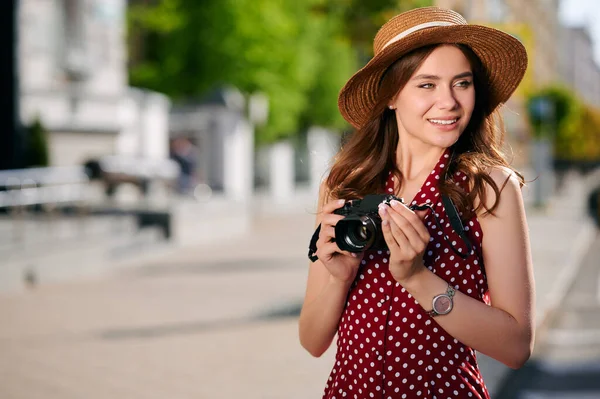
(388, 347)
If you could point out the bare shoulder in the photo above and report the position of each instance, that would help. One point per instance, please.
(504, 176)
(509, 189)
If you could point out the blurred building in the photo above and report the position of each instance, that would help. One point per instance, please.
(223, 138)
(73, 77)
(532, 20)
(556, 53)
(578, 68)
(206, 123)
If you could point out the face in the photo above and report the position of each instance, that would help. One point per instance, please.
(436, 104)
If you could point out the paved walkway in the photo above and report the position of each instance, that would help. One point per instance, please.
(214, 320)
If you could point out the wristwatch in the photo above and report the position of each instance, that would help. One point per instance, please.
(443, 303)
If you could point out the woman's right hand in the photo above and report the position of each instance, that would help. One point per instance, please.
(342, 265)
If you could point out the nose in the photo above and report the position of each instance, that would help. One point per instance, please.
(446, 98)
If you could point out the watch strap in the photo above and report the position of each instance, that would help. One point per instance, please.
(450, 291)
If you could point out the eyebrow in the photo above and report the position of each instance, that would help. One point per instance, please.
(435, 77)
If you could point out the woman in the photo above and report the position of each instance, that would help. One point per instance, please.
(409, 319)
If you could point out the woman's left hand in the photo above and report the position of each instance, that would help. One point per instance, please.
(406, 237)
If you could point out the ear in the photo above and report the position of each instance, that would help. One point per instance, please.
(392, 102)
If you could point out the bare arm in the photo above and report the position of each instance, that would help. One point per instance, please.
(329, 280)
(505, 330)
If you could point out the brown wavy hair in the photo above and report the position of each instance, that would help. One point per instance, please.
(361, 165)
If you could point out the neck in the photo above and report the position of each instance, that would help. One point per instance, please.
(414, 159)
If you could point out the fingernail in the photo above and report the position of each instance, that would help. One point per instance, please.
(394, 203)
(341, 201)
(383, 209)
(353, 254)
(385, 222)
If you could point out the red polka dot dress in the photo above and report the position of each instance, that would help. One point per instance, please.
(388, 347)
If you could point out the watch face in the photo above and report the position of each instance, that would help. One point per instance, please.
(442, 304)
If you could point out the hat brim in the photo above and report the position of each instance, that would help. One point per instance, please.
(503, 56)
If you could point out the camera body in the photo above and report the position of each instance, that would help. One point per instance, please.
(360, 230)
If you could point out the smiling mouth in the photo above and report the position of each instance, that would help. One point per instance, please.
(443, 121)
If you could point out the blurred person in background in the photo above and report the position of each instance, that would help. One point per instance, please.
(184, 153)
(409, 318)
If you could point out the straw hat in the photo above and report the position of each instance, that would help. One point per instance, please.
(502, 55)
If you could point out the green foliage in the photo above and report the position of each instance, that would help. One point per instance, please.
(180, 47)
(562, 105)
(255, 45)
(331, 76)
(573, 126)
(298, 53)
(278, 58)
(336, 63)
(579, 136)
(36, 146)
(362, 19)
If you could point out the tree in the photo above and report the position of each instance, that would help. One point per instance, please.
(36, 149)
(349, 30)
(189, 47)
(298, 53)
(578, 139)
(362, 19)
(548, 108)
(572, 125)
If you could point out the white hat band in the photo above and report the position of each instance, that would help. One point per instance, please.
(416, 28)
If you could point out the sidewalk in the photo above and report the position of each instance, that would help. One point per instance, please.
(560, 236)
(215, 320)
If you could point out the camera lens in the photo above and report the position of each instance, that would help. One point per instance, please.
(363, 233)
(355, 234)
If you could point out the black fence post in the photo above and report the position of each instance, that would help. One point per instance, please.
(11, 133)
(594, 206)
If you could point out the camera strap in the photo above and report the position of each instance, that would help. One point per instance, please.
(457, 225)
(453, 217)
(455, 222)
(312, 248)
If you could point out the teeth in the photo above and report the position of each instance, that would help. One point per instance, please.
(443, 122)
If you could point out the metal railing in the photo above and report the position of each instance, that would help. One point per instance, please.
(42, 186)
(32, 199)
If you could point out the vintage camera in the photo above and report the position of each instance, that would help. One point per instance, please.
(360, 230)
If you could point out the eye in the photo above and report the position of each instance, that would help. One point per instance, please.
(464, 83)
(426, 86)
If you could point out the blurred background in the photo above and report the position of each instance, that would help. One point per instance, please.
(159, 170)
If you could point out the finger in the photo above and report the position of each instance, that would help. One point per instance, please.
(326, 250)
(406, 247)
(331, 248)
(416, 223)
(386, 229)
(423, 232)
(348, 253)
(333, 205)
(327, 233)
(405, 225)
(331, 219)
